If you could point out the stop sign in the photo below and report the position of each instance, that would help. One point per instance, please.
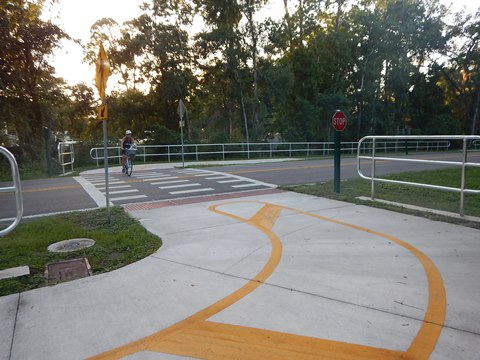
(339, 120)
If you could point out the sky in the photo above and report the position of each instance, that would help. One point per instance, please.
(76, 18)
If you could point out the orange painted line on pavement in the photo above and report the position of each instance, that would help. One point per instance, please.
(53, 188)
(198, 337)
(427, 337)
(155, 341)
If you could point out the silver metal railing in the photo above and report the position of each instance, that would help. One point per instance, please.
(66, 155)
(222, 151)
(15, 188)
(372, 146)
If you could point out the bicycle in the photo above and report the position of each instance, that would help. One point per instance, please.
(130, 156)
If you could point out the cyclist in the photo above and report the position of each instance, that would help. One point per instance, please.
(127, 141)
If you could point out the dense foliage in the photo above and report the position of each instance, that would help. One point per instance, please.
(393, 66)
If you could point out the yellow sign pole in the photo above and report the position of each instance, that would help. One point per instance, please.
(102, 71)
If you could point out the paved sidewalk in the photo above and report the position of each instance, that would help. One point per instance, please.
(277, 275)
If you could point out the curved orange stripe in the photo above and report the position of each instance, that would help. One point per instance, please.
(424, 343)
(172, 338)
(153, 342)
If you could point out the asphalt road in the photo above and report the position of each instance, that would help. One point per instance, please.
(53, 195)
(315, 171)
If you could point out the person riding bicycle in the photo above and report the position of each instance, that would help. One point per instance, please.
(127, 141)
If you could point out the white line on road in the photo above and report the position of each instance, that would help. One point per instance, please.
(123, 191)
(115, 187)
(169, 182)
(160, 178)
(91, 190)
(230, 181)
(218, 177)
(245, 185)
(206, 174)
(148, 176)
(190, 191)
(178, 186)
(128, 197)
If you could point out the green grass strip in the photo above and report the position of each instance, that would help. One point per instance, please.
(447, 201)
(121, 242)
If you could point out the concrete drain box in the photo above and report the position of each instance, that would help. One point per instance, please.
(68, 270)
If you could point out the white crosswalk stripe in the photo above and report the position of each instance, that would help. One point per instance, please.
(161, 184)
(191, 191)
(128, 198)
(178, 186)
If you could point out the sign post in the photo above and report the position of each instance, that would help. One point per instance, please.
(181, 112)
(339, 122)
(102, 71)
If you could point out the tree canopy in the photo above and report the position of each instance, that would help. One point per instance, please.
(393, 66)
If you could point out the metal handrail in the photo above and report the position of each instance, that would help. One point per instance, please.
(16, 188)
(169, 152)
(62, 146)
(463, 164)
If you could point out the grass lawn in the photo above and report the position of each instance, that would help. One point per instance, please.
(119, 243)
(351, 189)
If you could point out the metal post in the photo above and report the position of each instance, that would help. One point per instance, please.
(46, 135)
(336, 160)
(373, 170)
(181, 132)
(462, 185)
(105, 160)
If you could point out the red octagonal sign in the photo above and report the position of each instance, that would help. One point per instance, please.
(339, 120)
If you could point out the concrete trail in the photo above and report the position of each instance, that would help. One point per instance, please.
(278, 275)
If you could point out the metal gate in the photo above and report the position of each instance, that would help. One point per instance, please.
(15, 188)
(369, 144)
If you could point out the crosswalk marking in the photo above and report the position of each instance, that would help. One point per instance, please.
(145, 176)
(115, 187)
(169, 182)
(217, 177)
(190, 191)
(123, 191)
(160, 178)
(128, 197)
(178, 186)
(245, 185)
(109, 183)
(230, 181)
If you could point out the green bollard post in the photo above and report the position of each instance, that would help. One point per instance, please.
(46, 136)
(339, 122)
(336, 161)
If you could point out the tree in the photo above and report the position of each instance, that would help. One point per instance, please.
(221, 55)
(76, 113)
(28, 90)
(167, 64)
(462, 73)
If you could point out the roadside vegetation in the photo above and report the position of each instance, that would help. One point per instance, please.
(352, 189)
(392, 66)
(118, 243)
(125, 241)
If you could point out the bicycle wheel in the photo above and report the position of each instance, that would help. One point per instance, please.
(129, 164)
